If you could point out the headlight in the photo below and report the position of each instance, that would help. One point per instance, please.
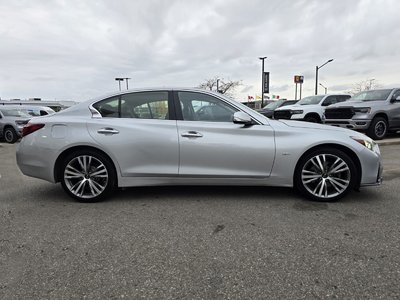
(370, 144)
(363, 110)
(296, 112)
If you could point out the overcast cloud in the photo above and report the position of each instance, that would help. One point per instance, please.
(73, 50)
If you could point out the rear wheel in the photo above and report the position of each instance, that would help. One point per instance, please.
(87, 175)
(325, 175)
(10, 135)
(378, 128)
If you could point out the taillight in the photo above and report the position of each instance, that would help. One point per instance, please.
(29, 128)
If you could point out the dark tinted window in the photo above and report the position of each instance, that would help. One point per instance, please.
(145, 105)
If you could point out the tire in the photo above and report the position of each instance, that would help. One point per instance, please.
(312, 119)
(10, 135)
(87, 175)
(378, 128)
(325, 175)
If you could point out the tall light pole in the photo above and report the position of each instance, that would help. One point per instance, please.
(218, 85)
(316, 74)
(262, 80)
(126, 78)
(119, 81)
(326, 89)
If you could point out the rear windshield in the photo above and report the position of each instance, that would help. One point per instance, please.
(376, 95)
(310, 100)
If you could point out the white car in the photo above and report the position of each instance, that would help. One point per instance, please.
(191, 137)
(310, 108)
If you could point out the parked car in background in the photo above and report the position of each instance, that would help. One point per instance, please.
(165, 137)
(375, 112)
(12, 120)
(36, 111)
(268, 110)
(310, 108)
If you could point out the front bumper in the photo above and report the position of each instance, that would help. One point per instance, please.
(356, 124)
(379, 178)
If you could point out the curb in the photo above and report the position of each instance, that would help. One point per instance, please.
(388, 142)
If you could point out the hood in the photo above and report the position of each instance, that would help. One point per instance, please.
(309, 125)
(358, 104)
(288, 107)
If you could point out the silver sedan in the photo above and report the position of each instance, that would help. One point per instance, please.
(191, 137)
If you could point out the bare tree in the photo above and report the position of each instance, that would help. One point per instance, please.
(365, 85)
(224, 86)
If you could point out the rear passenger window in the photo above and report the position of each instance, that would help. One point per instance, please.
(141, 105)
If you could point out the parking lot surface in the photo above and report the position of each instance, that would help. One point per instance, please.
(198, 242)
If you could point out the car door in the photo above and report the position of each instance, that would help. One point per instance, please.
(211, 145)
(137, 129)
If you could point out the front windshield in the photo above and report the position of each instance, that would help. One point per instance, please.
(376, 95)
(15, 113)
(310, 100)
(273, 105)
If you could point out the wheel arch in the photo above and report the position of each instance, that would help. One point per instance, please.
(344, 149)
(66, 152)
(313, 115)
(382, 115)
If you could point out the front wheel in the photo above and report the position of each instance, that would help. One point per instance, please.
(378, 128)
(325, 175)
(10, 135)
(87, 176)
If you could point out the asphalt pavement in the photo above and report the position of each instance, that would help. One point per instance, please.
(198, 242)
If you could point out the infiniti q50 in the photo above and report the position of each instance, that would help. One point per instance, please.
(191, 137)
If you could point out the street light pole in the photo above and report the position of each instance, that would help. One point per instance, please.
(119, 81)
(316, 74)
(218, 85)
(127, 79)
(262, 80)
(326, 89)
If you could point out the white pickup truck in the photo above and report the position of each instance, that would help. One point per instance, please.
(310, 108)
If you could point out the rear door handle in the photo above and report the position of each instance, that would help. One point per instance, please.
(191, 134)
(107, 130)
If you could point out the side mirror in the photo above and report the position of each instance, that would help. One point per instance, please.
(240, 117)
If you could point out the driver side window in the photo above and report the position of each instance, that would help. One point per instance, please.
(396, 95)
(202, 107)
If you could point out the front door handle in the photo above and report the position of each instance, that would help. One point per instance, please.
(107, 130)
(191, 134)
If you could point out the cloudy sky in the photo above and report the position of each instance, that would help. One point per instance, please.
(73, 49)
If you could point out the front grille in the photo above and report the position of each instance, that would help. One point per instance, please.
(282, 114)
(339, 113)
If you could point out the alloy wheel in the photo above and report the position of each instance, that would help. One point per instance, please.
(85, 176)
(380, 129)
(326, 176)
